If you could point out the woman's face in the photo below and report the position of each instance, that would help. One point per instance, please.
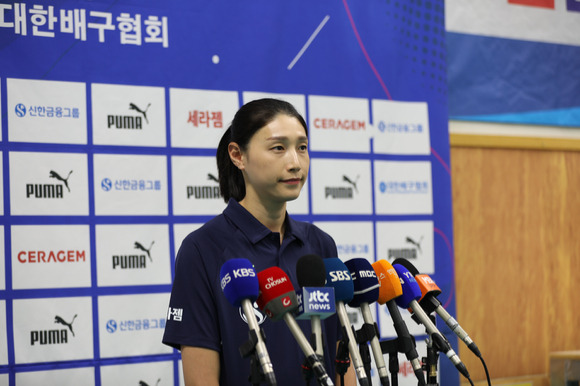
(276, 161)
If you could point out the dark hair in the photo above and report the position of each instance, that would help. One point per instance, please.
(250, 118)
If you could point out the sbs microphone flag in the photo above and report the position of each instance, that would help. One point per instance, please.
(338, 276)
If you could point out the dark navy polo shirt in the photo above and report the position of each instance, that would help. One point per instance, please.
(200, 315)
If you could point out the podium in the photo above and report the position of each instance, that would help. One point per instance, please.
(565, 368)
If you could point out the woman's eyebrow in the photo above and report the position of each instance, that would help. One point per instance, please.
(285, 138)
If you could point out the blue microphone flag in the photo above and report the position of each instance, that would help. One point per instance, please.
(411, 290)
(338, 277)
(239, 281)
(365, 281)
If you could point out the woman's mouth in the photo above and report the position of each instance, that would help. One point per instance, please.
(292, 181)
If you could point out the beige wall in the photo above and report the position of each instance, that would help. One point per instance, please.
(516, 216)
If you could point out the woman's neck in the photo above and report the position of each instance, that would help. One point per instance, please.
(272, 216)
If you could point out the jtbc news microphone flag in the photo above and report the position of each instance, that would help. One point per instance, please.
(278, 300)
(315, 301)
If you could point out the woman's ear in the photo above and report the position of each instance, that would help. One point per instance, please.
(236, 155)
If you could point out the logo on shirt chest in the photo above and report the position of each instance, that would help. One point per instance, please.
(259, 316)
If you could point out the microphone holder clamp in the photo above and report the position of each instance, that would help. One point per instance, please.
(248, 348)
(363, 337)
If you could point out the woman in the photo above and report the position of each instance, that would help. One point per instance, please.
(262, 162)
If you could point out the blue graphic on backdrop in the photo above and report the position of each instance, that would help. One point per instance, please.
(371, 50)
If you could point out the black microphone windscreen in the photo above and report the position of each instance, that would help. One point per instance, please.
(310, 271)
(407, 264)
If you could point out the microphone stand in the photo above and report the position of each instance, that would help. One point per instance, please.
(342, 360)
(364, 336)
(249, 349)
(431, 359)
(307, 372)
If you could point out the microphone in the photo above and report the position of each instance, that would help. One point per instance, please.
(412, 292)
(366, 290)
(338, 277)
(430, 303)
(390, 288)
(277, 299)
(315, 301)
(240, 286)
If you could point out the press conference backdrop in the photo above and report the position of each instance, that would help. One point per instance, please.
(111, 113)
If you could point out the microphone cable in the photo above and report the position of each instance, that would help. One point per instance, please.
(486, 372)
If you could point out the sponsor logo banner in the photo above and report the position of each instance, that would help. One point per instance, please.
(411, 240)
(1, 179)
(43, 111)
(128, 115)
(200, 117)
(133, 255)
(297, 100)
(403, 187)
(48, 184)
(55, 256)
(180, 231)
(77, 376)
(388, 330)
(401, 127)
(353, 238)
(341, 186)
(48, 330)
(142, 374)
(196, 189)
(132, 324)
(130, 184)
(4, 347)
(339, 124)
(2, 258)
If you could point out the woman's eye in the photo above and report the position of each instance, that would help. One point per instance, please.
(303, 148)
(279, 147)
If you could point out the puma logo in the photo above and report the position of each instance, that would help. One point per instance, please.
(143, 383)
(54, 174)
(133, 106)
(416, 243)
(353, 183)
(59, 320)
(141, 247)
(211, 177)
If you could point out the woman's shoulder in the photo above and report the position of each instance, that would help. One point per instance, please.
(217, 227)
(310, 232)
